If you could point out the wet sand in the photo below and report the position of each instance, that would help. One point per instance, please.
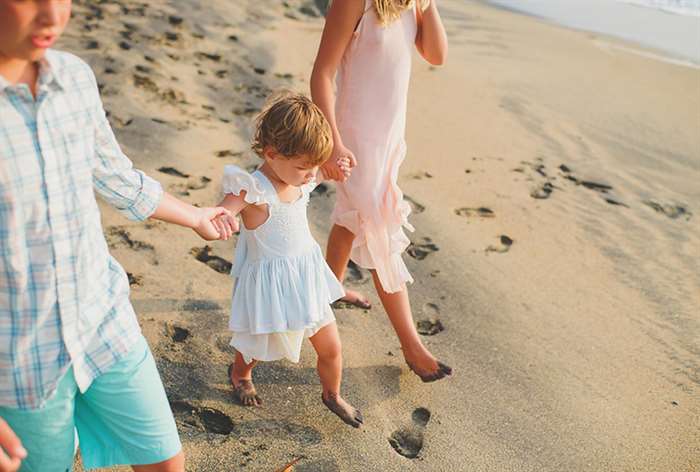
(553, 177)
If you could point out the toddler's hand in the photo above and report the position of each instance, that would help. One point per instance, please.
(227, 225)
(345, 166)
(205, 225)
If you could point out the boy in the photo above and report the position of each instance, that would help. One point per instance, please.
(72, 356)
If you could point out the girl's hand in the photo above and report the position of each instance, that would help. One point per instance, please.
(205, 225)
(340, 164)
(227, 225)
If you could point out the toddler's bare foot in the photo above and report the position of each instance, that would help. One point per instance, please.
(428, 368)
(244, 390)
(357, 299)
(346, 412)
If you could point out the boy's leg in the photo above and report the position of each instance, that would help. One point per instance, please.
(125, 418)
(47, 433)
(326, 342)
(240, 373)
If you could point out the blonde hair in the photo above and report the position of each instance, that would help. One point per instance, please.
(390, 10)
(294, 126)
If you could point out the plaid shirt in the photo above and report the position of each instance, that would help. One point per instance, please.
(63, 298)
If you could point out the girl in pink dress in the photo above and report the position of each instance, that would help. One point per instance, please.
(367, 46)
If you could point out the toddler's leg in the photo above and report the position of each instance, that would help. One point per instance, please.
(241, 376)
(326, 342)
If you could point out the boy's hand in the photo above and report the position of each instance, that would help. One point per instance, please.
(11, 450)
(206, 226)
(226, 225)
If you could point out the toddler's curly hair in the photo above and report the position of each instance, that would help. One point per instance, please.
(294, 126)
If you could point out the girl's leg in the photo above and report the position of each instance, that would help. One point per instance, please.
(326, 342)
(241, 376)
(338, 255)
(418, 358)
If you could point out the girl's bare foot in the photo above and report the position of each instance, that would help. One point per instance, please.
(345, 411)
(356, 299)
(427, 367)
(243, 390)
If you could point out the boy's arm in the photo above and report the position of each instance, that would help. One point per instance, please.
(133, 193)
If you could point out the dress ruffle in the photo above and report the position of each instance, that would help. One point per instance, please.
(235, 180)
(284, 294)
(379, 235)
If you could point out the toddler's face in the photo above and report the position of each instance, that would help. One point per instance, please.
(294, 170)
(29, 27)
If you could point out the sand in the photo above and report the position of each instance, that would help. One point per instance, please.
(554, 179)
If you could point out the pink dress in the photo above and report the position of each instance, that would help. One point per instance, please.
(372, 88)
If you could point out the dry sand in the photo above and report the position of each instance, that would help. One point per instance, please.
(570, 309)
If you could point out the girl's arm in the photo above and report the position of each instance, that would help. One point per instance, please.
(431, 40)
(342, 17)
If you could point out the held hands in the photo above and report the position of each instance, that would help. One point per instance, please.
(11, 450)
(226, 224)
(340, 164)
(214, 223)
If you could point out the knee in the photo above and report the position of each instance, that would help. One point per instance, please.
(174, 464)
(332, 352)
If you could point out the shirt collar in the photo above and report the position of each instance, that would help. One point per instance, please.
(50, 73)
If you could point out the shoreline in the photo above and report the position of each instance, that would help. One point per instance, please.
(618, 33)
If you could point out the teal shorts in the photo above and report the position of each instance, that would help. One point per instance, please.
(123, 418)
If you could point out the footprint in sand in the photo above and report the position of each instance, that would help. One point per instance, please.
(408, 441)
(193, 184)
(482, 212)
(177, 333)
(671, 210)
(207, 419)
(173, 171)
(215, 262)
(134, 279)
(421, 251)
(542, 191)
(504, 246)
(431, 325)
(415, 206)
(118, 236)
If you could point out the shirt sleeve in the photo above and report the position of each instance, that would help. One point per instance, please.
(130, 191)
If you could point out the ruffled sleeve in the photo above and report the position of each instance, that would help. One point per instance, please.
(236, 180)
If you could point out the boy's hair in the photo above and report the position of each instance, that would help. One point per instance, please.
(292, 125)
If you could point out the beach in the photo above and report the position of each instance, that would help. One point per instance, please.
(553, 175)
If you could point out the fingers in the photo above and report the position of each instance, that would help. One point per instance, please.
(353, 161)
(232, 224)
(11, 450)
(9, 464)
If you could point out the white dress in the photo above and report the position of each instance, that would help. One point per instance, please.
(283, 286)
